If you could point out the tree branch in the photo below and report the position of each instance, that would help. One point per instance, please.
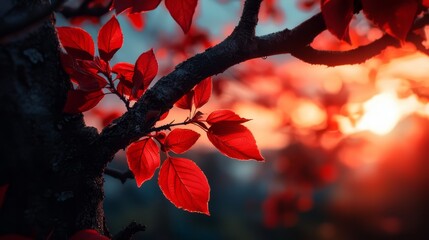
(86, 11)
(121, 176)
(21, 19)
(335, 58)
(140, 119)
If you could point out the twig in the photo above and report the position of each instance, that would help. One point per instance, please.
(121, 176)
(113, 89)
(129, 231)
(168, 126)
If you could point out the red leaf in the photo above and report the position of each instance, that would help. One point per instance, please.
(425, 3)
(121, 5)
(180, 140)
(145, 70)
(88, 234)
(145, 5)
(164, 116)
(143, 159)
(136, 20)
(110, 39)
(393, 16)
(185, 102)
(223, 116)
(14, 237)
(3, 190)
(234, 140)
(185, 185)
(202, 92)
(124, 70)
(77, 42)
(83, 74)
(337, 15)
(81, 101)
(182, 11)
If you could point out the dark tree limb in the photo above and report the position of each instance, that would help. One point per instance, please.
(129, 231)
(139, 120)
(23, 18)
(353, 56)
(84, 10)
(121, 176)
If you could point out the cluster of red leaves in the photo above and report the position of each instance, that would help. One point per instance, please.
(181, 11)
(395, 17)
(181, 180)
(91, 74)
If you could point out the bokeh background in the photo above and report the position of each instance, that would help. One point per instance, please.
(346, 147)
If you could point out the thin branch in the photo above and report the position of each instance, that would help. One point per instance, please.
(129, 231)
(336, 58)
(121, 176)
(18, 21)
(168, 126)
(115, 91)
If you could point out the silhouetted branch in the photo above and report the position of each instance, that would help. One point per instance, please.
(86, 11)
(129, 231)
(353, 56)
(139, 120)
(21, 19)
(122, 176)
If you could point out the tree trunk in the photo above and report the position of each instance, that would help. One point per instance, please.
(52, 188)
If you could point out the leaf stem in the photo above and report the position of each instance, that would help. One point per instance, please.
(112, 88)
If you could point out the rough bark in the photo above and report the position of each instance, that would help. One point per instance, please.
(43, 151)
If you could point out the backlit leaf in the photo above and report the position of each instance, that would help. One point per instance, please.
(180, 140)
(144, 5)
(77, 42)
(145, 70)
(110, 39)
(143, 159)
(81, 101)
(185, 185)
(219, 116)
(84, 75)
(185, 102)
(202, 92)
(136, 20)
(393, 16)
(337, 15)
(121, 5)
(182, 11)
(234, 140)
(124, 70)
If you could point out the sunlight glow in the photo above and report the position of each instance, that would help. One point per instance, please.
(381, 113)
